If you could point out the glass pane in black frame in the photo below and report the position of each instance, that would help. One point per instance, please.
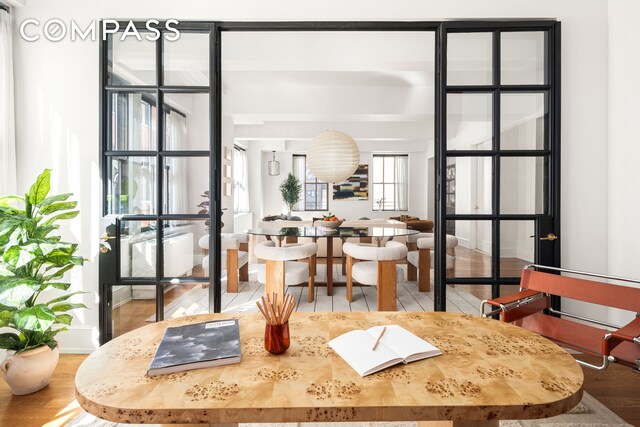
(138, 249)
(132, 121)
(131, 185)
(130, 61)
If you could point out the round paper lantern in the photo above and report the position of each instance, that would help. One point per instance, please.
(333, 156)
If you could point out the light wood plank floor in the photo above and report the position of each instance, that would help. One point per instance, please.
(193, 299)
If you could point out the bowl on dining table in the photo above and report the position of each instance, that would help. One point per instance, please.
(328, 224)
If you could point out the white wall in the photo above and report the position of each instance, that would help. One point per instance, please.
(57, 91)
(624, 147)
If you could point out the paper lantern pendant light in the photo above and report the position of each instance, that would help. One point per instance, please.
(333, 156)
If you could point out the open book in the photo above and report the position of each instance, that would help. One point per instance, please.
(397, 345)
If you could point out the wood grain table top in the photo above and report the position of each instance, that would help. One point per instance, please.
(489, 371)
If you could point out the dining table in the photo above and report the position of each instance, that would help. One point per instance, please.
(374, 235)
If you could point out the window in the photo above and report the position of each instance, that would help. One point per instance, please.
(390, 182)
(315, 194)
(240, 180)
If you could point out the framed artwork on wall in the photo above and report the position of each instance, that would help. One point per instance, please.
(228, 153)
(355, 187)
(228, 189)
(227, 171)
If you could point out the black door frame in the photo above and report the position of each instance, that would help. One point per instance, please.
(549, 221)
(215, 29)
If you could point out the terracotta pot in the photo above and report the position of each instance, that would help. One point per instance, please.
(29, 371)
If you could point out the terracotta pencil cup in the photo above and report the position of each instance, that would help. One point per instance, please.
(276, 338)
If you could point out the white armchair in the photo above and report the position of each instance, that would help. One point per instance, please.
(379, 269)
(420, 258)
(281, 269)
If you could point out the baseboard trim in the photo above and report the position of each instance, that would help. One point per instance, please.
(82, 339)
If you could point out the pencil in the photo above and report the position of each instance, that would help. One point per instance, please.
(378, 340)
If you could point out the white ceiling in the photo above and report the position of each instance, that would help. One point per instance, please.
(375, 86)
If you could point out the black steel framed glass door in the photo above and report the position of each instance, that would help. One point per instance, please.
(498, 152)
(159, 104)
(497, 142)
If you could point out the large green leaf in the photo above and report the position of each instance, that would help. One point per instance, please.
(19, 256)
(8, 225)
(57, 198)
(64, 215)
(39, 190)
(58, 274)
(58, 206)
(15, 291)
(4, 270)
(10, 341)
(7, 201)
(64, 297)
(37, 318)
(65, 319)
(63, 286)
(59, 258)
(41, 232)
(67, 306)
(5, 318)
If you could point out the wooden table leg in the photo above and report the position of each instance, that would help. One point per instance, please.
(470, 423)
(329, 265)
(344, 259)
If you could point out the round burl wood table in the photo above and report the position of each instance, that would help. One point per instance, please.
(489, 371)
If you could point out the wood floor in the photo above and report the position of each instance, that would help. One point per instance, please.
(469, 263)
(618, 388)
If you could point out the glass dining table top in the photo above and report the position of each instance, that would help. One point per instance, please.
(339, 232)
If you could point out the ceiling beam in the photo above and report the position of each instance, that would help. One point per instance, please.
(13, 3)
(371, 130)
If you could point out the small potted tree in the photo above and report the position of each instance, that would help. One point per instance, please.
(33, 260)
(291, 191)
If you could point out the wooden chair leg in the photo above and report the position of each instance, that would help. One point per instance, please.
(313, 264)
(274, 278)
(232, 270)
(244, 270)
(244, 273)
(412, 272)
(312, 279)
(349, 278)
(424, 275)
(386, 286)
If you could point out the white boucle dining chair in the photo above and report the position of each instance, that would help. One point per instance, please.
(420, 258)
(378, 267)
(281, 268)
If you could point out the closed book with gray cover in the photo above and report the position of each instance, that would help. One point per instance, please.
(199, 345)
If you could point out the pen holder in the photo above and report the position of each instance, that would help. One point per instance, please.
(276, 338)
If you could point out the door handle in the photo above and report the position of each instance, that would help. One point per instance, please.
(106, 237)
(549, 236)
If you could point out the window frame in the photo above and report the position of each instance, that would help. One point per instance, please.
(236, 183)
(395, 183)
(317, 183)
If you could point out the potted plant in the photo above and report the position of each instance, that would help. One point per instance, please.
(204, 209)
(33, 260)
(291, 191)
